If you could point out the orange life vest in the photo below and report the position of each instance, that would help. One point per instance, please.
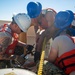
(11, 47)
(66, 61)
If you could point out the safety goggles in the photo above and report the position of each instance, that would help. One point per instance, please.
(47, 10)
(44, 11)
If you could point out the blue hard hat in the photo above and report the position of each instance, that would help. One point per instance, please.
(63, 19)
(72, 31)
(39, 9)
(34, 9)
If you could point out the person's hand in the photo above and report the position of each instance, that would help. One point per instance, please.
(30, 64)
(30, 47)
(37, 56)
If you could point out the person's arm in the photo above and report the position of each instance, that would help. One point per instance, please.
(52, 55)
(48, 33)
(22, 44)
(4, 43)
(40, 44)
(27, 46)
(54, 51)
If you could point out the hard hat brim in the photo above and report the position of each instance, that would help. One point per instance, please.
(70, 19)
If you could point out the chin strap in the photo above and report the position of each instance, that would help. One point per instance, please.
(42, 58)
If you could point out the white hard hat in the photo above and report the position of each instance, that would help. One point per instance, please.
(23, 21)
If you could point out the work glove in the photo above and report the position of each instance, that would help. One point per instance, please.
(37, 56)
(29, 48)
(19, 50)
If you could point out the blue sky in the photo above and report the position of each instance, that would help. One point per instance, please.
(8, 7)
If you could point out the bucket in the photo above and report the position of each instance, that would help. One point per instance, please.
(15, 71)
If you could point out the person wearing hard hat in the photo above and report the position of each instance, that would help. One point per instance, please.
(63, 46)
(34, 9)
(45, 20)
(20, 23)
(42, 25)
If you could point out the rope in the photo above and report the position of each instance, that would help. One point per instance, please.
(42, 59)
